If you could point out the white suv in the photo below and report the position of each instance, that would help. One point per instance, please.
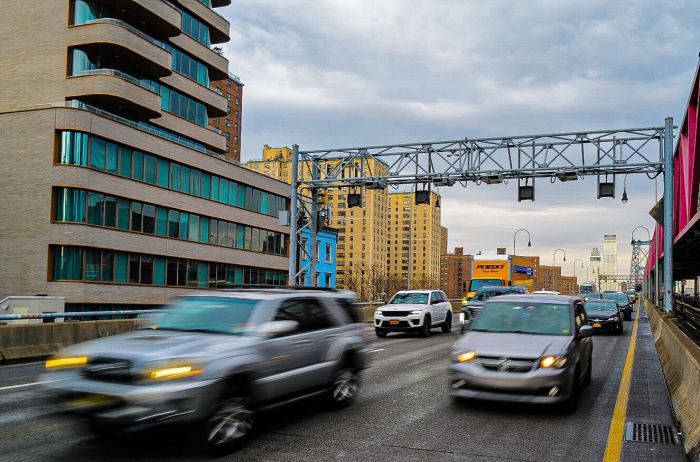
(414, 311)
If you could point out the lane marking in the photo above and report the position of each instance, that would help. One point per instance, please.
(613, 451)
(374, 351)
(23, 385)
(22, 364)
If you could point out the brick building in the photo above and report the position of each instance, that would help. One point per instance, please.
(569, 285)
(549, 278)
(455, 273)
(230, 125)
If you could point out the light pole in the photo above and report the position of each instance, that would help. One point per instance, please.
(554, 256)
(624, 189)
(578, 259)
(529, 243)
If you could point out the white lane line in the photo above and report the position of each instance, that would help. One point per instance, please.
(22, 364)
(374, 351)
(23, 385)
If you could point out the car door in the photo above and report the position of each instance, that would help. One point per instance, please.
(286, 357)
(447, 306)
(583, 346)
(323, 328)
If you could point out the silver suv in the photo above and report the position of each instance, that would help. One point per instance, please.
(214, 360)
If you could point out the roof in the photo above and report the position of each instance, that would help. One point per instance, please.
(538, 298)
(416, 291)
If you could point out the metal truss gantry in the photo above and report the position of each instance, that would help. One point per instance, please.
(557, 156)
(640, 253)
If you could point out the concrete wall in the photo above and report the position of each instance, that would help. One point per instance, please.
(36, 340)
(680, 359)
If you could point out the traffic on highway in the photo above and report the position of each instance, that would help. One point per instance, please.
(269, 374)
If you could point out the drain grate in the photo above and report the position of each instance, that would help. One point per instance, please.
(651, 433)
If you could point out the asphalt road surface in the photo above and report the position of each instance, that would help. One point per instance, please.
(403, 413)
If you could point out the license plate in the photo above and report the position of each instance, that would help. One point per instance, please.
(394, 321)
(597, 324)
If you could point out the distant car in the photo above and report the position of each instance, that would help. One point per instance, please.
(212, 361)
(414, 311)
(632, 294)
(604, 315)
(472, 307)
(525, 348)
(623, 302)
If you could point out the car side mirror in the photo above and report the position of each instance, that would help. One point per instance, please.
(585, 331)
(278, 328)
(434, 302)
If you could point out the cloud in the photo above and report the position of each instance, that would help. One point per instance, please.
(342, 72)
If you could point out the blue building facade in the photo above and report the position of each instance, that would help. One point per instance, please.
(327, 239)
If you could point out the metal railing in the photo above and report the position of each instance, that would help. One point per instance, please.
(128, 26)
(688, 319)
(76, 314)
(122, 75)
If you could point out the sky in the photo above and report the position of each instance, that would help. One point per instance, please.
(328, 73)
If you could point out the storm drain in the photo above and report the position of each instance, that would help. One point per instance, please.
(651, 433)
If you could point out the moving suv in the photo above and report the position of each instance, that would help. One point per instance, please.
(471, 308)
(414, 311)
(213, 360)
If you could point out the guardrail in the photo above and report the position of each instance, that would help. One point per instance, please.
(76, 314)
(688, 319)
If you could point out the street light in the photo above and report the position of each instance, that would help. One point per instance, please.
(578, 259)
(624, 190)
(529, 243)
(554, 257)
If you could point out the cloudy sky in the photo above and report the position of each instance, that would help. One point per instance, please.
(354, 72)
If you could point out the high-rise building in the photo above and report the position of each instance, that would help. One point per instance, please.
(609, 264)
(455, 273)
(443, 240)
(230, 125)
(116, 191)
(569, 285)
(362, 231)
(415, 240)
(549, 278)
(595, 261)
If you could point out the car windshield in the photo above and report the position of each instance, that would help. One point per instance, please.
(524, 318)
(601, 306)
(220, 315)
(615, 296)
(479, 283)
(413, 298)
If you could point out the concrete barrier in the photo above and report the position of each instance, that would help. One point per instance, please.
(680, 360)
(36, 340)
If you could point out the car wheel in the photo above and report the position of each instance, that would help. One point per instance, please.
(447, 327)
(229, 426)
(380, 333)
(620, 328)
(571, 404)
(628, 316)
(344, 388)
(425, 328)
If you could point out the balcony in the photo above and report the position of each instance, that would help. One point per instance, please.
(215, 103)
(217, 64)
(160, 16)
(205, 135)
(218, 25)
(116, 92)
(220, 3)
(124, 39)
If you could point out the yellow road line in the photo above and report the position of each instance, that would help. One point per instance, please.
(617, 425)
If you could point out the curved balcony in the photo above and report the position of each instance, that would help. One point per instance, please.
(158, 16)
(116, 92)
(147, 51)
(217, 64)
(220, 3)
(218, 25)
(215, 103)
(205, 135)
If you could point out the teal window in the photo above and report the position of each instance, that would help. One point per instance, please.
(238, 278)
(110, 206)
(232, 193)
(149, 218)
(196, 182)
(150, 169)
(204, 229)
(68, 263)
(70, 205)
(163, 173)
(93, 264)
(185, 180)
(107, 266)
(241, 196)
(223, 190)
(74, 148)
(123, 214)
(191, 273)
(183, 106)
(125, 162)
(158, 271)
(121, 265)
(193, 233)
(138, 165)
(136, 216)
(161, 221)
(184, 225)
(134, 268)
(175, 176)
(195, 29)
(95, 209)
(173, 223)
(231, 233)
(240, 237)
(263, 203)
(213, 231)
(206, 185)
(98, 147)
(202, 272)
(215, 188)
(223, 238)
(112, 157)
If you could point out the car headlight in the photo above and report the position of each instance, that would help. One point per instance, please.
(66, 362)
(414, 312)
(466, 357)
(378, 313)
(548, 362)
(614, 318)
(170, 373)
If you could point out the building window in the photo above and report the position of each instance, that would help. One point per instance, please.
(329, 253)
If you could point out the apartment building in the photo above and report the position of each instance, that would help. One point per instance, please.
(415, 239)
(455, 273)
(549, 278)
(362, 230)
(569, 285)
(230, 125)
(116, 190)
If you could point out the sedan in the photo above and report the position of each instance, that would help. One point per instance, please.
(604, 316)
(622, 301)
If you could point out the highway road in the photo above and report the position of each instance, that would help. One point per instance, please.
(403, 414)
